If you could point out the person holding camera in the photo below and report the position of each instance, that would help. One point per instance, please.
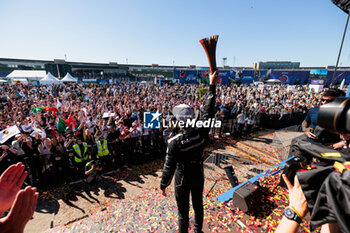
(310, 122)
(185, 155)
(295, 213)
(297, 209)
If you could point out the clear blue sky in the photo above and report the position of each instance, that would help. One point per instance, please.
(163, 31)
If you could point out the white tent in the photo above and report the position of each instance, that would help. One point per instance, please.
(49, 80)
(69, 78)
(29, 75)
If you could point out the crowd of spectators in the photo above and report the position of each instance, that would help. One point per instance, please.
(270, 106)
(79, 130)
(38, 112)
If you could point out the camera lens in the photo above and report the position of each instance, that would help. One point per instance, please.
(334, 116)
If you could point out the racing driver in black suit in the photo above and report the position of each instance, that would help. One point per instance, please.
(184, 157)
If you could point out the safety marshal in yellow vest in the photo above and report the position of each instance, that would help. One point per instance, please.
(78, 147)
(102, 149)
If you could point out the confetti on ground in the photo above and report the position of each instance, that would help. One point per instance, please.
(150, 212)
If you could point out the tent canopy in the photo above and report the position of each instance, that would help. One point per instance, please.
(27, 74)
(68, 78)
(49, 79)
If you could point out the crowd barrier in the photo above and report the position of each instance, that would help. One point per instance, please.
(274, 121)
(57, 168)
(261, 120)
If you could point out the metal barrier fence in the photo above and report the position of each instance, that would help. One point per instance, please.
(262, 120)
(57, 168)
(281, 141)
(216, 161)
(216, 164)
(275, 121)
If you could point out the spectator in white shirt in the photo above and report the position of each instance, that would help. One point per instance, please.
(240, 123)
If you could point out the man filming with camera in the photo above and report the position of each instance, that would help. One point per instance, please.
(296, 211)
(322, 181)
(309, 125)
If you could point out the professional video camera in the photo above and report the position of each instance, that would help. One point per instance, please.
(324, 173)
(333, 117)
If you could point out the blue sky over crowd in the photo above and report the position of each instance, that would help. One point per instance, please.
(168, 32)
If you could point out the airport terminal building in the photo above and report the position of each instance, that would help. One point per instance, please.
(86, 70)
(285, 71)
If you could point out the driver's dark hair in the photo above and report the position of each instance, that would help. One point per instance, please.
(333, 92)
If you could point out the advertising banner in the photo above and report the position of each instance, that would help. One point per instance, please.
(186, 76)
(225, 75)
(89, 80)
(299, 77)
(103, 81)
(339, 76)
(192, 76)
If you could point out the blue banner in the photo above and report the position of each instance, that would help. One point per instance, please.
(202, 75)
(225, 75)
(291, 77)
(102, 81)
(248, 74)
(339, 76)
(247, 77)
(263, 74)
(186, 76)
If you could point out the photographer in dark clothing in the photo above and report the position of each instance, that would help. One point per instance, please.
(309, 125)
(185, 155)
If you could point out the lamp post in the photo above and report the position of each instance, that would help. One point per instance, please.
(341, 48)
(224, 59)
(173, 68)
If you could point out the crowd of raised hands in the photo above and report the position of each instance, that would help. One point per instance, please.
(19, 204)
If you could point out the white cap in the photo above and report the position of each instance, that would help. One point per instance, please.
(15, 145)
(182, 112)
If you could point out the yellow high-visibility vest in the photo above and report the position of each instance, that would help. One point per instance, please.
(80, 157)
(102, 149)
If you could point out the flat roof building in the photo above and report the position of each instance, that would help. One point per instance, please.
(276, 65)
